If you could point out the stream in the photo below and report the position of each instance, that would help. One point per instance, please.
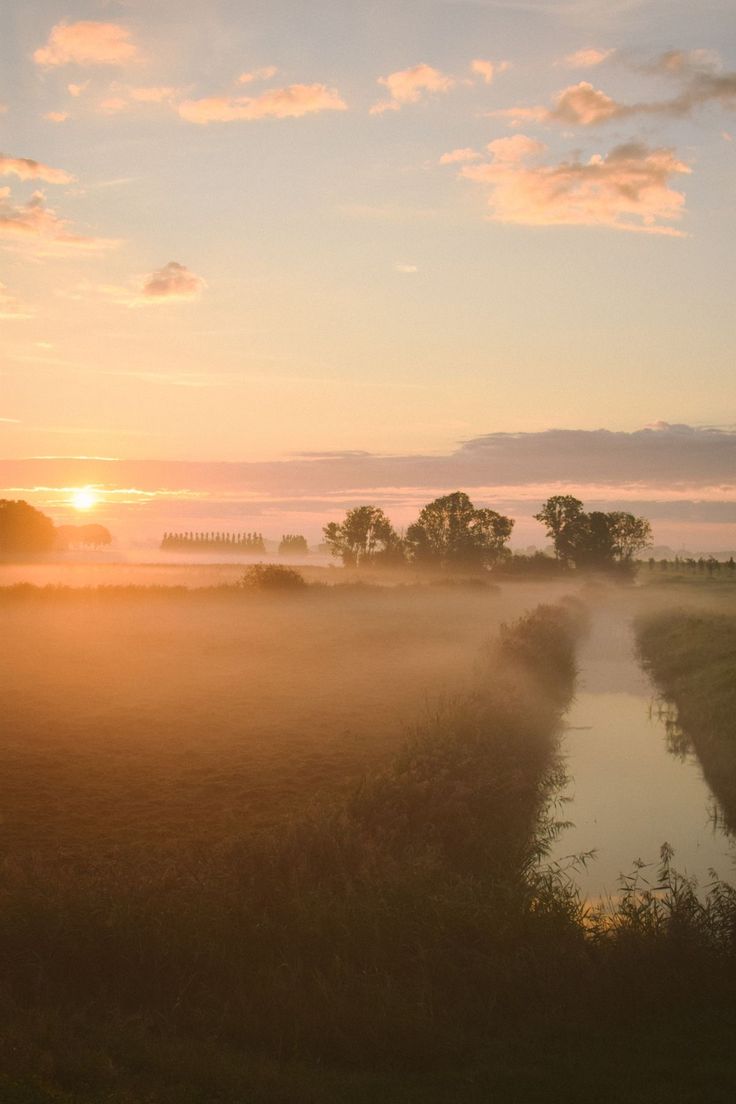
(628, 792)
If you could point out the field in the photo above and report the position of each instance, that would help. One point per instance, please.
(291, 847)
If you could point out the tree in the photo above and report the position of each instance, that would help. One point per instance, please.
(595, 543)
(631, 534)
(23, 529)
(451, 532)
(594, 539)
(365, 536)
(293, 544)
(563, 516)
(82, 536)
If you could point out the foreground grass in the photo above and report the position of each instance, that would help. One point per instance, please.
(692, 658)
(406, 944)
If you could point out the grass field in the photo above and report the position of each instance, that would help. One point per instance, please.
(291, 848)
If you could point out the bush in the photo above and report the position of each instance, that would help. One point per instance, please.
(263, 576)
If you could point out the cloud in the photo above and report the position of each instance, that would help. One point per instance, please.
(406, 269)
(173, 281)
(408, 86)
(77, 89)
(670, 462)
(87, 43)
(57, 116)
(276, 103)
(458, 156)
(265, 73)
(628, 189)
(27, 169)
(584, 105)
(34, 228)
(113, 105)
(579, 104)
(483, 69)
(11, 308)
(586, 59)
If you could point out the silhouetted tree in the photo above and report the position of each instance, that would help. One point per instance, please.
(23, 529)
(293, 544)
(563, 515)
(365, 536)
(82, 536)
(451, 532)
(594, 539)
(631, 534)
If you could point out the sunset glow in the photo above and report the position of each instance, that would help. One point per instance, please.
(316, 237)
(84, 499)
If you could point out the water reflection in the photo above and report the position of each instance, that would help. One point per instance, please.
(634, 780)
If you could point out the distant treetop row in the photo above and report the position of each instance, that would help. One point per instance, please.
(189, 542)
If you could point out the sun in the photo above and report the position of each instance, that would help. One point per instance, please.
(84, 498)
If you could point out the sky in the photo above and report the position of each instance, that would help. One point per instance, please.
(263, 262)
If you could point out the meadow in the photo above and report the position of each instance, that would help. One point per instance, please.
(294, 847)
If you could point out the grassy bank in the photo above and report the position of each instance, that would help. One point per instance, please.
(692, 659)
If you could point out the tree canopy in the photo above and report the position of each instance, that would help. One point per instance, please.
(594, 539)
(365, 536)
(23, 529)
(451, 532)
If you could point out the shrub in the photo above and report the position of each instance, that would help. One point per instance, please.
(263, 576)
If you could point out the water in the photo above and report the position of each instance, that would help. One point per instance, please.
(628, 792)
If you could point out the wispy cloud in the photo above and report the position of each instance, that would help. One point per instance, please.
(488, 70)
(35, 228)
(409, 86)
(628, 189)
(27, 169)
(459, 156)
(87, 43)
(584, 105)
(172, 282)
(265, 73)
(291, 102)
(588, 58)
(57, 116)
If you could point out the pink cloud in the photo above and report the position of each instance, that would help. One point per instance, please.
(27, 169)
(113, 105)
(585, 105)
(34, 228)
(87, 43)
(629, 189)
(277, 103)
(57, 116)
(586, 59)
(265, 73)
(77, 89)
(409, 86)
(458, 156)
(173, 281)
(483, 69)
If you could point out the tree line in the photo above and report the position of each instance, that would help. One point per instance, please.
(451, 532)
(213, 542)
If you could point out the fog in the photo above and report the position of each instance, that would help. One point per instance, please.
(154, 716)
